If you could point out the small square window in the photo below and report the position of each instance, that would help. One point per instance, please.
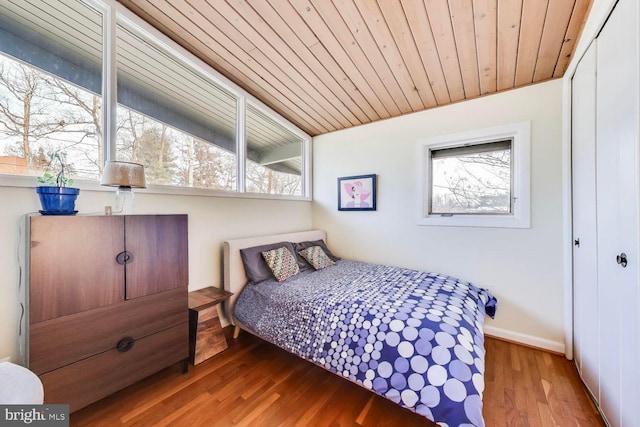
(477, 179)
(472, 179)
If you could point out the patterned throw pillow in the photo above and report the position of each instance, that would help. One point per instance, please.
(316, 257)
(282, 263)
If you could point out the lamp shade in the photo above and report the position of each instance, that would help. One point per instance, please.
(123, 174)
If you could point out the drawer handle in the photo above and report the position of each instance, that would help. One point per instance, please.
(124, 258)
(125, 344)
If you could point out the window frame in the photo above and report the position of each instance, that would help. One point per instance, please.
(470, 149)
(520, 136)
(305, 150)
(115, 13)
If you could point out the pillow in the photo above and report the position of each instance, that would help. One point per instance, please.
(255, 266)
(316, 257)
(304, 245)
(282, 263)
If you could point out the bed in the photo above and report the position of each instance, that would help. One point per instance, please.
(413, 337)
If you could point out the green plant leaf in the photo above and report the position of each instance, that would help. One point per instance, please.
(56, 162)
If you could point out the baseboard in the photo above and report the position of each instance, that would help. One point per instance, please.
(529, 340)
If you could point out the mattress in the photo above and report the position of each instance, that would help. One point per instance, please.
(413, 337)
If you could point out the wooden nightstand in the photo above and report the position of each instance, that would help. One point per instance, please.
(206, 337)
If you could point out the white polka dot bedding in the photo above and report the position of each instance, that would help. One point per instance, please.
(413, 337)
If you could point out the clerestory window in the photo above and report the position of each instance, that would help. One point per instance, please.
(188, 125)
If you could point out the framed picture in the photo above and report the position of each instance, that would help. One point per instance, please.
(357, 193)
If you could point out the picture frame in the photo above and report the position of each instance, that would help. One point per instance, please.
(357, 193)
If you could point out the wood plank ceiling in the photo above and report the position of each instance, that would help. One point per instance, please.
(332, 64)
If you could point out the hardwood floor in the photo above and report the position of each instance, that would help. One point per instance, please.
(254, 383)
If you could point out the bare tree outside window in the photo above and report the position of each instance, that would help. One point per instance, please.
(206, 166)
(40, 113)
(261, 179)
(173, 157)
(474, 179)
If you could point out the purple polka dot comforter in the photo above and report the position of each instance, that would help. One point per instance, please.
(413, 337)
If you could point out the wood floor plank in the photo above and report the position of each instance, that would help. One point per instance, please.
(363, 414)
(254, 383)
(312, 410)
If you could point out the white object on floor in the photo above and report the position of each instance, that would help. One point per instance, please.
(18, 385)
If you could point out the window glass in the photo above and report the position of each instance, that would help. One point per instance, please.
(274, 156)
(173, 114)
(50, 86)
(472, 179)
(477, 178)
(177, 123)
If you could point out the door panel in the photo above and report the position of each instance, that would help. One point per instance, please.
(617, 192)
(158, 245)
(72, 264)
(627, 75)
(585, 271)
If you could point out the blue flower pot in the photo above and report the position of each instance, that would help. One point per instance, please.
(58, 200)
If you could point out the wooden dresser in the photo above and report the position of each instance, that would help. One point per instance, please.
(107, 302)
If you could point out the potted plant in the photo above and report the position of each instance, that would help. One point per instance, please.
(55, 197)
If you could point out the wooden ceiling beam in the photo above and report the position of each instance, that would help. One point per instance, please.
(509, 18)
(421, 31)
(534, 13)
(576, 23)
(465, 39)
(486, 25)
(553, 32)
(442, 28)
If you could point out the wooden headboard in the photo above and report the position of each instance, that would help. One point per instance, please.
(234, 275)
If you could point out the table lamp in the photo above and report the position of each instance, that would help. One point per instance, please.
(125, 176)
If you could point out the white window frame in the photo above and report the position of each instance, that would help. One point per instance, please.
(114, 13)
(520, 134)
(124, 16)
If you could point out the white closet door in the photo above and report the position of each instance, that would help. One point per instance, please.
(585, 270)
(617, 193)
(629, 215)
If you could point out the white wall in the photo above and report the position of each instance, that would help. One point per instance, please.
(212, 220)
(523, 267)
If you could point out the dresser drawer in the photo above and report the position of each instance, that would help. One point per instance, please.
(89, 380)
(59, 342)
